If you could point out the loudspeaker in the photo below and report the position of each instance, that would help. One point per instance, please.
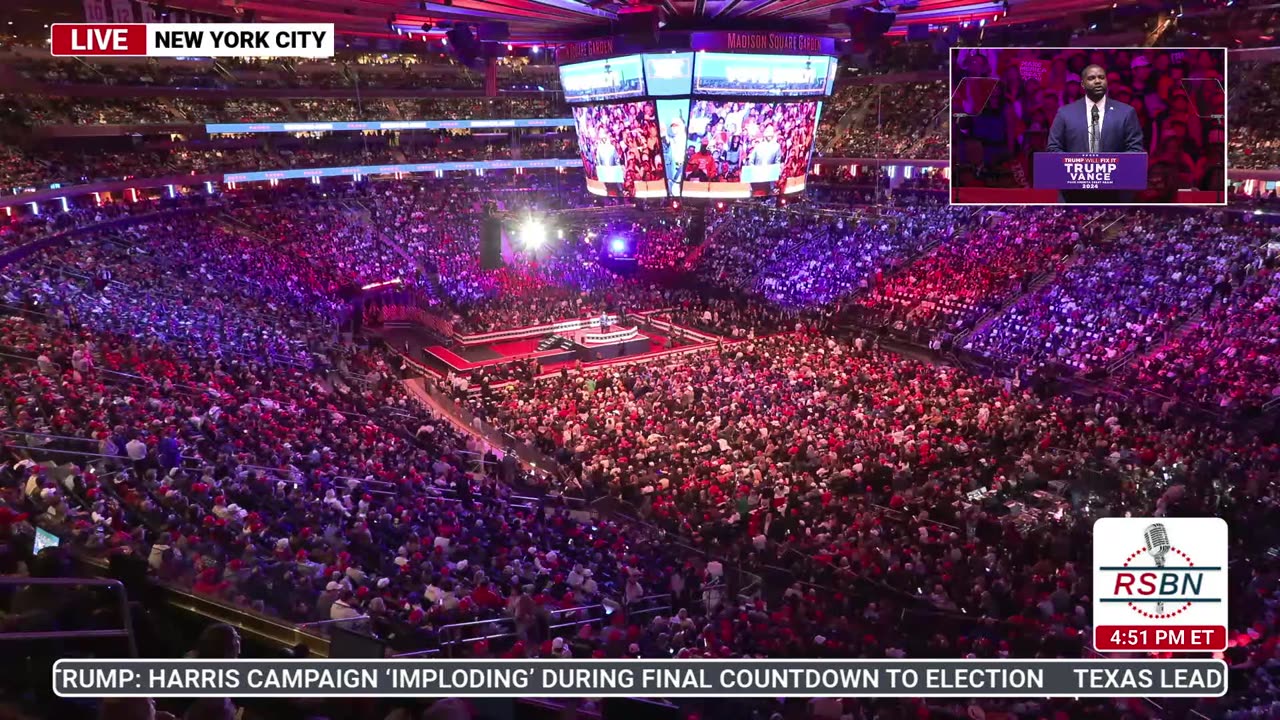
(697, 232)
(880, 23)
(639, 23)
(493, 32)
(464, 44)
(868, 26)
(491, 244)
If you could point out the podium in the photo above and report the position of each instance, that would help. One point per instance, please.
(611, 173)
(761, 173)
(1089, 171)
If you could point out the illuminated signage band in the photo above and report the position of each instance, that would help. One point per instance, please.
(578, 51)
(749, 42)
(292, 127)
(775, 75)
(350, 170)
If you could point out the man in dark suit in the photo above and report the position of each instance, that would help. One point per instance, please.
(1095, 123)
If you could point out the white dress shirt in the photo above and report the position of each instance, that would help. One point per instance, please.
(1089, 105)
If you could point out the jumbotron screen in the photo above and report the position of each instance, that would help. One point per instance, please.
(747, 149)
(711, 124)
(621, 155)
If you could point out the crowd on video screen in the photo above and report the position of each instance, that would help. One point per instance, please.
(1004, 102)
(723, 138)
(619, 145)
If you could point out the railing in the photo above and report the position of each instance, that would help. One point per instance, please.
(496, 437)
(125, 631)
(451, 636)
(547, 329)
(359, 623)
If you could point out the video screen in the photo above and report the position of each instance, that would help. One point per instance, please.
(771, 75)
(620, 148)
(599, 80)
(747, 149)
(1023, 129)
(668, 73)
(673, 123)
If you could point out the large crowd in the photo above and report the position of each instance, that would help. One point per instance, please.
(903, 119)
(407, 71)
(1115, 299)
(817, 484)
(805, 260)
(1226, 359)
(34, 167)
(38, 110)
(973, 273)
(178, 383)
(1253, 142)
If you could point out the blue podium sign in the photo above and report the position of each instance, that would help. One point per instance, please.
(1090, 171)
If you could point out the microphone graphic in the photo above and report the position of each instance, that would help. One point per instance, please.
(1157, 539)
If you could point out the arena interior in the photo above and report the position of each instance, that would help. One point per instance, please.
(306, 415)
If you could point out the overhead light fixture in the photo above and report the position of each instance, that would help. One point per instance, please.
(534, 234)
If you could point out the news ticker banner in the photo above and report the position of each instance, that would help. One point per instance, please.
(1160, 584)
(305, 40)
(291, 127)
(640, 678)
(407, 168)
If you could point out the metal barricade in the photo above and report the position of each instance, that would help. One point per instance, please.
(126, 631)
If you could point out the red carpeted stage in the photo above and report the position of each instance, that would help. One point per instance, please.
(551, 346)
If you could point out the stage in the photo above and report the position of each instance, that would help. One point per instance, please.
(551, 346)
(606, 343)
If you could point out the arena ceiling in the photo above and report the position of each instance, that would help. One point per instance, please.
(534, 21)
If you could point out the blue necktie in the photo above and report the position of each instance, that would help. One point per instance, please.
(1093, 130)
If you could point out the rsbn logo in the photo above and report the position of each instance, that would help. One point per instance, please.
(1159, 579)
(1160, 584)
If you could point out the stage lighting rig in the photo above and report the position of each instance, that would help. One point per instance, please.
(533, 234)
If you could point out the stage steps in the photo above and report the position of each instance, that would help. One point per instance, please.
(555, 341)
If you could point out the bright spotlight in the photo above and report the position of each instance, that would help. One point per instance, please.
(618, 246)
(534, 234)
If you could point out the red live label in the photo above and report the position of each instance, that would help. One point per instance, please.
(98, 39)
(1204, 638)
